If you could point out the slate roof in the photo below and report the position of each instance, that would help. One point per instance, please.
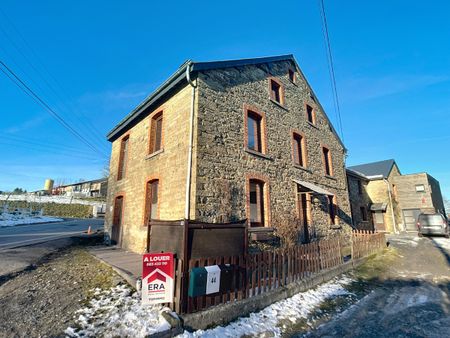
(375, 168)
(177, 79)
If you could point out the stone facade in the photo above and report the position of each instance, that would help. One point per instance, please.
(359, 198)
(225, 164)
(222, 164)
(169, 166)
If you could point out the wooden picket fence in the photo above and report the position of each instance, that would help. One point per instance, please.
(258, 273)
(367, 242)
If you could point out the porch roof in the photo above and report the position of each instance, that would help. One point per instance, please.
(314, 188)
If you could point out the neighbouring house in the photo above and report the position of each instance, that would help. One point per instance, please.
(417, 193)
(396, 199)
(93, 188)
(360, 202)
(224, 141)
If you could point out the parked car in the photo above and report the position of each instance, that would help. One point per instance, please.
(432, 224)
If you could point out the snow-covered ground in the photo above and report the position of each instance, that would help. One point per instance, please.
(49, 199)
(442, 242)
(8, 220)
(118, 313)
(271, 321)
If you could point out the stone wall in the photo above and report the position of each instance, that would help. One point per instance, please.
(225, 165)
(168, 165)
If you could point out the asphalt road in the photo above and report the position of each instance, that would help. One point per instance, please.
(21, 235)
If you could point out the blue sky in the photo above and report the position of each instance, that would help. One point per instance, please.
(102, 58)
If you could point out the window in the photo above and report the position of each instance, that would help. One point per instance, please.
(254, 131)
(359, 187)
(420, 188)
(310, 114)
(327, 161)
(363, 213)
(123, 156)
(156, 133)
(291, 75)
(151, 201)
(299, 149)
(332, 209)
(256, 197)
(276, 91)
(394, 192)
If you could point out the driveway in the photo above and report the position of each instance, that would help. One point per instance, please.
(23, 245)
(411, 299)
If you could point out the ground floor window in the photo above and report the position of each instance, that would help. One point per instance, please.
(363, 214)
(256, 191)
(332, 209)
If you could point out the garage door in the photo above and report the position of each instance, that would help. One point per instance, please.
(410, 219)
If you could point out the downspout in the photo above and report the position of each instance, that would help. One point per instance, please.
(191, 137)
(392, 205)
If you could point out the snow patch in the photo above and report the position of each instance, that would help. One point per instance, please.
(60, 199)
(9, 220)
(118, 312)
(443, 242)
(272, 320)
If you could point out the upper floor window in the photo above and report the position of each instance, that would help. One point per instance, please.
(123, 156)
(326, 154)
(420, 188)
(359, 187)
(291, 74)
(156, 132)
(256, 202)
(276, 91)
(254, 131)
(310, 114)
(299, 149)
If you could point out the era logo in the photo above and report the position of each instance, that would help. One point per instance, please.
(155, 287)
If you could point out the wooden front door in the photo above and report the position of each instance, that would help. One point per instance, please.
(378, 221)
(117, 220)
(303, 215)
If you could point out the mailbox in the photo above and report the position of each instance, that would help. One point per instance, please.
(226, 278)
(197, 282)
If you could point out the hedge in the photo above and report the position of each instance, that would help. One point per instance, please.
(55, 209)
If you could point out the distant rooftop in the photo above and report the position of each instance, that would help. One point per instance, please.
(382, 168)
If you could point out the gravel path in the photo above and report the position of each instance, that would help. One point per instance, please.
(42, 302)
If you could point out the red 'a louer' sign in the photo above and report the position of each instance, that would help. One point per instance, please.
(157, 278)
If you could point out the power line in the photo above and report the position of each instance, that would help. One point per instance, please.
(27, 90)
(331, 65)
(86, 123)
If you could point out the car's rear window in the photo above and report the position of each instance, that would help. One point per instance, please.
(430, 219)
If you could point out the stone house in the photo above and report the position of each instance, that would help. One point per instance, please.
(360, 202)
(396, 199)
(385, 213)
(225, 141)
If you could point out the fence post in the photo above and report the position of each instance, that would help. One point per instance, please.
(352, 245)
